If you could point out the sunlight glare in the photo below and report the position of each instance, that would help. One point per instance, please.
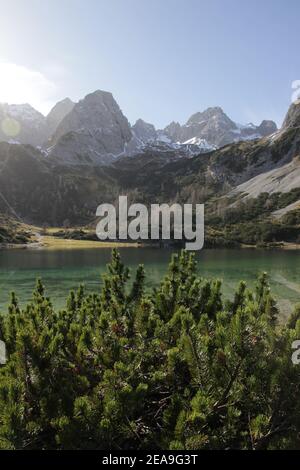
(19, 85)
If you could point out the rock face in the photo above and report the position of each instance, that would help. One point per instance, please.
(217, 129)
(173, 131)
(144, 131)
(57, 114)
(212, 125)
(277, 180)
(21, 123)
(284, 177)
(94, 131)
(266, 128)
(292, 118)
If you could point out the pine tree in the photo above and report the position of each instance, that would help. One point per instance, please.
(176, 367)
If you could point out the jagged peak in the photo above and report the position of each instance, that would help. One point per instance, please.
(141, 121)
(64, 102)
(173, 124)
(267, 127)
(209, 113)
(141, 124)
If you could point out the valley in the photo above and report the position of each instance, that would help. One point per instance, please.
(250, 187)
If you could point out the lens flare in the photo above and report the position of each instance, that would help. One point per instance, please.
(10, 127)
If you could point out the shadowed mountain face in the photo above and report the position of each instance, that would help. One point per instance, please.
(43, 192)
(57, 114)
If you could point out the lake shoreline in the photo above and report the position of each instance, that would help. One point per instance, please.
(49, 242)
(62, 244)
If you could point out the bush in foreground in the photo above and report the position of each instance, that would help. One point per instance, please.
(176, 368)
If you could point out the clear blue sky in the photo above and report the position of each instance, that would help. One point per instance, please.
(162, 59)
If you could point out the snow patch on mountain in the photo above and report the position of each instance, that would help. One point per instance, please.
(201, 143)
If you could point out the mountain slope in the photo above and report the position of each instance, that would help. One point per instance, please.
(278, 180)
(34, 191)
(284, 177)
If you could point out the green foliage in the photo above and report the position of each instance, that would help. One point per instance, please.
(250, 221)
(175, 368)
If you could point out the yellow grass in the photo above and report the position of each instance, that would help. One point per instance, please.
(55, 243)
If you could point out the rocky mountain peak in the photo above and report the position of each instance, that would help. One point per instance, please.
(173, 131)
(22, 123)
(144, 131)
(217, 129)
(215, 112)
(292, 118)
(210, 125)
(267, 127)
(98, 111)
(57, 114)
(93, 131)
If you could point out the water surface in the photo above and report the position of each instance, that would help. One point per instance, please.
(63, 270)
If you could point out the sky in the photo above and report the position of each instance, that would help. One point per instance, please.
(163, 60)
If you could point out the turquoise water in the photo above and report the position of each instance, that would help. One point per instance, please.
(65, 269)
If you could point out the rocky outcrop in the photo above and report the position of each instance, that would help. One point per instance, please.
(266, 128)
(292, 118)
(57, 114)
(95, 130)
(277, 180)
(144, 131)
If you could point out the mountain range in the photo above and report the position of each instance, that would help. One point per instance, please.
(95, 131)
(94, 155)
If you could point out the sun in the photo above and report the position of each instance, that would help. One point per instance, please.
(19, 85)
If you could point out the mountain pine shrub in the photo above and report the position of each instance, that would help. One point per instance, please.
(174, 368)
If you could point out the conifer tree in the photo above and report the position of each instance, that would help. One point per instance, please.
(176, 367)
